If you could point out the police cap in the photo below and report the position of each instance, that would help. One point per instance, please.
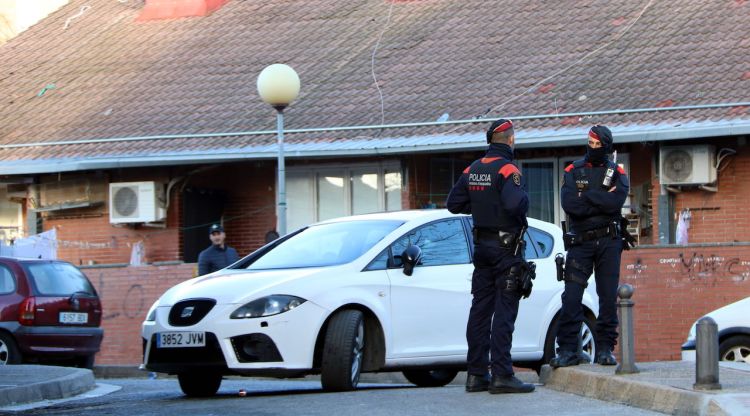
(498, 126)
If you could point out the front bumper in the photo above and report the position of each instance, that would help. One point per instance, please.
(282, 344)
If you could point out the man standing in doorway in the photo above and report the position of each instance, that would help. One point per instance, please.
(218, 255)
(490, 189)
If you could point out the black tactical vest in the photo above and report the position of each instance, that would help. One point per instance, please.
(484, 191)
(589, 177)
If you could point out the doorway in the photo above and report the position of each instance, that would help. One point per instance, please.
(200, 208)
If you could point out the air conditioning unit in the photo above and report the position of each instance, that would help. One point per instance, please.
(135, 202)
(687, 165)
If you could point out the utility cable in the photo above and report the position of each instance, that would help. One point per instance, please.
(372, 62)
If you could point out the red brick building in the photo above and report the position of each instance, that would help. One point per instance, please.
(394, 102)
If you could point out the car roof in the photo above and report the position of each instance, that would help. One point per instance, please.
(424, 215)
(405, 216)
(30, 260)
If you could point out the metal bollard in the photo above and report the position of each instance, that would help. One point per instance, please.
(627, 339)
(706, 355)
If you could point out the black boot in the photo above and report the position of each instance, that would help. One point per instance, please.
(477, 383)
(509, 384)
(565, 359)
(604, 357)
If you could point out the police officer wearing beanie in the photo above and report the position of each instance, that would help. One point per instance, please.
(218, 255)
(593, 193)
(491, 190)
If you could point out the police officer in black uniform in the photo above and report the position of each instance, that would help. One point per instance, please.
(491, 191)
(593, 193)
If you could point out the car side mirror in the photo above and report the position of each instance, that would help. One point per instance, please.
(411, 257)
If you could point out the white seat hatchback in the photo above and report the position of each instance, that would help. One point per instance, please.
(336, 299)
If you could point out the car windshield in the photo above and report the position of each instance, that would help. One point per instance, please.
(326, 245)
(58, 279)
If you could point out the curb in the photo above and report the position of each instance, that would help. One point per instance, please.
(636, 393)
(60, 383)
(119, 371)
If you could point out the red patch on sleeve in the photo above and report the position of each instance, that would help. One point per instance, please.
(508, 170)
(490, 159)
(620, 170)
(569, 168)
(467, 169)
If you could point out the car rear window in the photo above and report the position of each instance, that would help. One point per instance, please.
(7, 283)
(58, 279)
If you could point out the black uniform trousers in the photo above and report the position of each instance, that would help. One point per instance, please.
(493, 310)
(601, 255)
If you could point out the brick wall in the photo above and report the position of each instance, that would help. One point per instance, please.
(673, 287)
(720, 216)
(127, 293)
(87, 237)
(250, 208)
(91, 238)
(717, 217)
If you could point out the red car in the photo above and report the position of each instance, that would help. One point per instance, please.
(49, 312)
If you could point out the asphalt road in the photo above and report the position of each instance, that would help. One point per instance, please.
(163, 397)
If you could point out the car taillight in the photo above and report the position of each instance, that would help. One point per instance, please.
(26, 311)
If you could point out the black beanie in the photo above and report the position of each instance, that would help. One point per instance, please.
(604, 135)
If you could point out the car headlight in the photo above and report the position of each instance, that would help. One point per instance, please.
(267, 306)
(151, 315)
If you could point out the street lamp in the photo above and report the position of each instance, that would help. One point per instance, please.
(278, 85)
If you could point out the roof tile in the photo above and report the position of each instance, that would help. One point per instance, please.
(117, 77)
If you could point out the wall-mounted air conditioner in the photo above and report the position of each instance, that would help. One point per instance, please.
(135, 202)
(687, 165)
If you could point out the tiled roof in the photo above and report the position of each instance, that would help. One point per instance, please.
(109, 76)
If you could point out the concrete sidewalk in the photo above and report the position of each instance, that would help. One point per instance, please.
(660, 386)
(33, 383)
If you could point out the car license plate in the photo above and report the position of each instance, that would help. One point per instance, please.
(74, 318)
(180, 339)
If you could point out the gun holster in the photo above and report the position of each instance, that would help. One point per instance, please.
(571, 239)
(627, 239)
(560, 266)
(524, 273)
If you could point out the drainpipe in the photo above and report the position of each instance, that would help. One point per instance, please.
(665, 207)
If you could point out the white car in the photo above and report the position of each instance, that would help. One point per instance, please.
(733, 323)
(341, 297)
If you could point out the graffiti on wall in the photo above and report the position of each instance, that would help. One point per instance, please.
(132, 305)
(634, 270)
(695, 266)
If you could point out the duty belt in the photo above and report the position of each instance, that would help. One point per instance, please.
(506, 240)
(610, 229)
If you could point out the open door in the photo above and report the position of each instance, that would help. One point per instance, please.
(200, 209)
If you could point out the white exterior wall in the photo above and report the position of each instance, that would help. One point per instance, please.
(18, 15)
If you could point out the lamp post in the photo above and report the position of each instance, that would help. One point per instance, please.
(278, 85)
